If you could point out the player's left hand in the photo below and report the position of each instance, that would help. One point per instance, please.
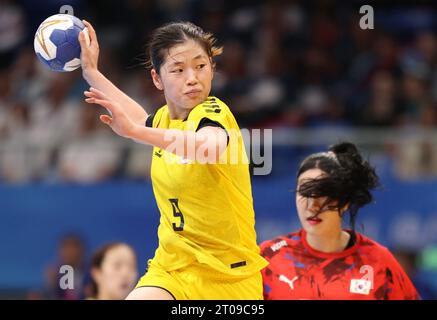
(119, 122)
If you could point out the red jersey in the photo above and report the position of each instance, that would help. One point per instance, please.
(366, 271)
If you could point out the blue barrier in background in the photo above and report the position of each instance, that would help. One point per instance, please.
(34, 217)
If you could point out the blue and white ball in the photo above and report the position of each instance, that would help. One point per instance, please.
(57, 42)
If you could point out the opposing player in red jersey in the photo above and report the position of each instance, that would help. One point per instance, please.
(323, 260)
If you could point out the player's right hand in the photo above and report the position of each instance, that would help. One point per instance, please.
(118, 120)
(89, 51)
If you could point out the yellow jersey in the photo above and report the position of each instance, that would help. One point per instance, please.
(207, 217)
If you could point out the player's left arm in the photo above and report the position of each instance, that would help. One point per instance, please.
(204, 145)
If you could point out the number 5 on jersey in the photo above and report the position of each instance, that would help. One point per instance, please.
(177, 214)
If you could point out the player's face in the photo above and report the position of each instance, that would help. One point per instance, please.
(117, 276)
(316, 215)
(185, 76)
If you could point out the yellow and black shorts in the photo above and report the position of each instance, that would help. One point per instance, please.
(191, 283)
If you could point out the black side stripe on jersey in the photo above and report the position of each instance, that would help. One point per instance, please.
(206, 122)
(238, 264)
(149, 120)
(147, 286)
(158, 153)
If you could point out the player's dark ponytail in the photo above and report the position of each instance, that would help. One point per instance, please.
(349, 178)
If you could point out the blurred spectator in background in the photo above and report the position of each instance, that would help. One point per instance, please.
(140, 87)
(54, 118)
(16, 160)
(113, 271)
(408, 259)
(421, 58)
(286, 64)
(30, 80)
(55, 115)
(71, 252)
(416, 97)
(139, 162)
(416, 158)
(428, 267)
(381, 106)
(5, 101)
(12, 31)
(92, 154)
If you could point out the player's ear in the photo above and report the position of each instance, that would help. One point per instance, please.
(156, 79)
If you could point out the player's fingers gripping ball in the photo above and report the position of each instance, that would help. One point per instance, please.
(57, 42)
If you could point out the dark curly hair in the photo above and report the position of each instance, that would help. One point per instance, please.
(348, 180)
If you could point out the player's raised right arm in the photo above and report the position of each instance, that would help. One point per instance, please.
(91, 73)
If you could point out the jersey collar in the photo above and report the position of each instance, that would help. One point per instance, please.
(327, 255)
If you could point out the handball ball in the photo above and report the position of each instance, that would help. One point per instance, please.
(57, 42)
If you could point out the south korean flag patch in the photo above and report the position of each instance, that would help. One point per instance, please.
(360, 286)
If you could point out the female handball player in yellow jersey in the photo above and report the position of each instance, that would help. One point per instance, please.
(207, 242)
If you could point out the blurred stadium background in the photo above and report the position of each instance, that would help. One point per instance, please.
(303, 68)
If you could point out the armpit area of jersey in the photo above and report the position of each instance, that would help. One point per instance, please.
(206, 122)
(149, 120)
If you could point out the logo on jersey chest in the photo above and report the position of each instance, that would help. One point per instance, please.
(360, 286)
(283, 278)
(365, 284)
(158, 153)
(278, 245)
